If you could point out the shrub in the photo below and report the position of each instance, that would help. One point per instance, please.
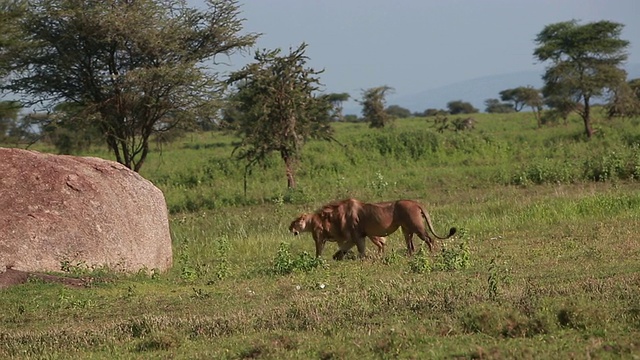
(285, 263)
(420, 263)
(451, 259)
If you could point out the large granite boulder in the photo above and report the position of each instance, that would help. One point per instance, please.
(60, 210)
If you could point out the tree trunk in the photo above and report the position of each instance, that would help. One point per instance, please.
(143, 155)
(288, 163)
(586, 117)
(537, 112)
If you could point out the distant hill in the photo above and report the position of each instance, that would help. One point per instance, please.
(476, 91)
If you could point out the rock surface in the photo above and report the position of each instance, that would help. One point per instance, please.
(58, 210)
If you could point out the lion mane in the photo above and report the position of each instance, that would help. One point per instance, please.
(333, 222)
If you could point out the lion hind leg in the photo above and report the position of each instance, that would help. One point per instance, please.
(426, 238)
(408, 238)
(379, 242)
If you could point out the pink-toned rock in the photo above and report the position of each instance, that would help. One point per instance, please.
(57, 209)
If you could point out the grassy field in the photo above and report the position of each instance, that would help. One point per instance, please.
(546, 263)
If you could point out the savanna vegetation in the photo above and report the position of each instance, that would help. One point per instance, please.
(545, 264)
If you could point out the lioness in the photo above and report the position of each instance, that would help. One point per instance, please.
(383, 219)
(324, 226)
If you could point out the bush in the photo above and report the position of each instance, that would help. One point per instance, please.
(614, 165)
(451, 259)
(285, 263)
(420, 263)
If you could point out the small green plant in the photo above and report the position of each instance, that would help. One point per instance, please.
(307, 262)
(451, 259)
(391, 257)
(341, 188)
(67, 300)
(378, 184)
(187, 271)
(222, 256)
(278, 202)
(285, 263)
(492, 281)
(420, 263)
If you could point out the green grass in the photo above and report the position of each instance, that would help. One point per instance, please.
(545, 264)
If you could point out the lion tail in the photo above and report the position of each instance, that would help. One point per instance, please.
(427, 218)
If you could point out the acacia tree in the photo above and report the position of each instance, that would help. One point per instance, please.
(398, 112)
(495, 106)
(373, 109)
(533, 99)
(336, 100)
(525, 96)
(136, 67)
(276, 109)
(461, 107)
(517, 96)
(11, 11)
(625, 100)
(585, 62)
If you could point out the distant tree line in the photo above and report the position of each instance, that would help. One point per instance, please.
(100, 80)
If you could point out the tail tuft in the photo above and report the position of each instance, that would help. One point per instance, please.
(452, 232)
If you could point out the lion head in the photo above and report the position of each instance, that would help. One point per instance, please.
(299, 224)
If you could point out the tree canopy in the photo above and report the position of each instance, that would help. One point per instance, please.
(460, 107)
(524, 96)
(373, 110)
(495, 106)
(517, 97)
(625, 100)
(336, 100)
(10, 36)
(398, 111)
(584, 61)
(8, 116)
(277, 109)
(135, 67)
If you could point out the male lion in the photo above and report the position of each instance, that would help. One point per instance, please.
(328, 224)
(383, 219)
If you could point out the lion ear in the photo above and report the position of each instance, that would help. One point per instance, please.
(328, 211)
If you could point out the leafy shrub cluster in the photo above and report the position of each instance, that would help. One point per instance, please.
(615, 165)
(401, 144)
(449, 259)
(285, 263)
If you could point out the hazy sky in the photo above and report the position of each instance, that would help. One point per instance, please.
(415, 45)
